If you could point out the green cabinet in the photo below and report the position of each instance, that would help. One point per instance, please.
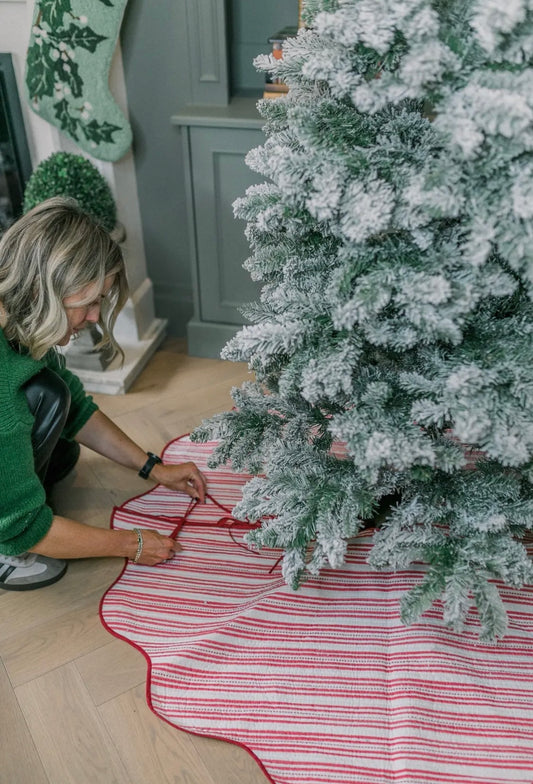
(218, 127)
(215, 145)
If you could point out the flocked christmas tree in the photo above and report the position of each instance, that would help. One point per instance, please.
(394, 242)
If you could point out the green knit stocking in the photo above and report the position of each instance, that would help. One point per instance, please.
(67, 73)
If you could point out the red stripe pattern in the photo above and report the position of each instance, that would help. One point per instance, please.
(323, 685)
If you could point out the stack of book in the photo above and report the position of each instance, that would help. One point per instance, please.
(274, 87)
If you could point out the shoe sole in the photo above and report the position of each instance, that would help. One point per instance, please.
(35, 585)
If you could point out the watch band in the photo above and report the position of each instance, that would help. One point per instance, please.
(144, 473)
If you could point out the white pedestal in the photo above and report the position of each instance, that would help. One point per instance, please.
(116, 380)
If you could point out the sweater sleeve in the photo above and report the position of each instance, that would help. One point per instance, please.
(82, 406)
(24, 516)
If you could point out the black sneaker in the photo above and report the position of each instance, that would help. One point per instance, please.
(29, 571)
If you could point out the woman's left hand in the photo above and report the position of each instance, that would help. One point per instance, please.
(184, 477)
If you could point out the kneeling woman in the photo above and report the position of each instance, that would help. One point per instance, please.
(61, 272)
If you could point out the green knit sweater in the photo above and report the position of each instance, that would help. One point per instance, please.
(24, 516)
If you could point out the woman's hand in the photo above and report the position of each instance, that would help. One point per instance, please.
(156, 548)
(106, 438)
(70, 539)
(184, 477)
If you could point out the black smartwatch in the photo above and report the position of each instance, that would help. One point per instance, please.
(150, 463)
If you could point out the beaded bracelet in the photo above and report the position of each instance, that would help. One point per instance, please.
(139, 544)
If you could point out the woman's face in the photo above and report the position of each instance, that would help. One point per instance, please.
(81, 315)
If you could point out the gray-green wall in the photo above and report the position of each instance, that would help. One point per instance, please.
(156, 73)
(156, 85)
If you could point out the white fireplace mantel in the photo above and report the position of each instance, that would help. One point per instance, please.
(137, 330)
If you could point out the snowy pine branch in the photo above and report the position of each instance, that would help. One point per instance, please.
(393, 337)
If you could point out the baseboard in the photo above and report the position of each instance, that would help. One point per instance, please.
(207, 339)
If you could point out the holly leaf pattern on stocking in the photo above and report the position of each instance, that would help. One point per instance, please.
(40, 71)
(67, 122)
(53, 11)
(100, 132)
(68, 73)
(84, 37)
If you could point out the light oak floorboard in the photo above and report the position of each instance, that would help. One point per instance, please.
(23, 611)
(19, 760)
(72, 742)
(112, 670)
(152, 750)
(228, 762)
(72, 697)
(54, 643)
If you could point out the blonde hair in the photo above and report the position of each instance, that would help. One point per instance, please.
(53, 252)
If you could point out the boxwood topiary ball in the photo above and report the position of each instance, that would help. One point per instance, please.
(66, 174)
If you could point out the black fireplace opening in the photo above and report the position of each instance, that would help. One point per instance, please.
(15, 162)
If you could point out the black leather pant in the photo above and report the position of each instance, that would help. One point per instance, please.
(49, 401)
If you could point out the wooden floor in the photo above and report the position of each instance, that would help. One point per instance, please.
(72, 697)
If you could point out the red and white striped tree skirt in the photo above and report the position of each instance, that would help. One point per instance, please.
(324, 684)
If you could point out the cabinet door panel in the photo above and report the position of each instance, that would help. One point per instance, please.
(220, 175)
